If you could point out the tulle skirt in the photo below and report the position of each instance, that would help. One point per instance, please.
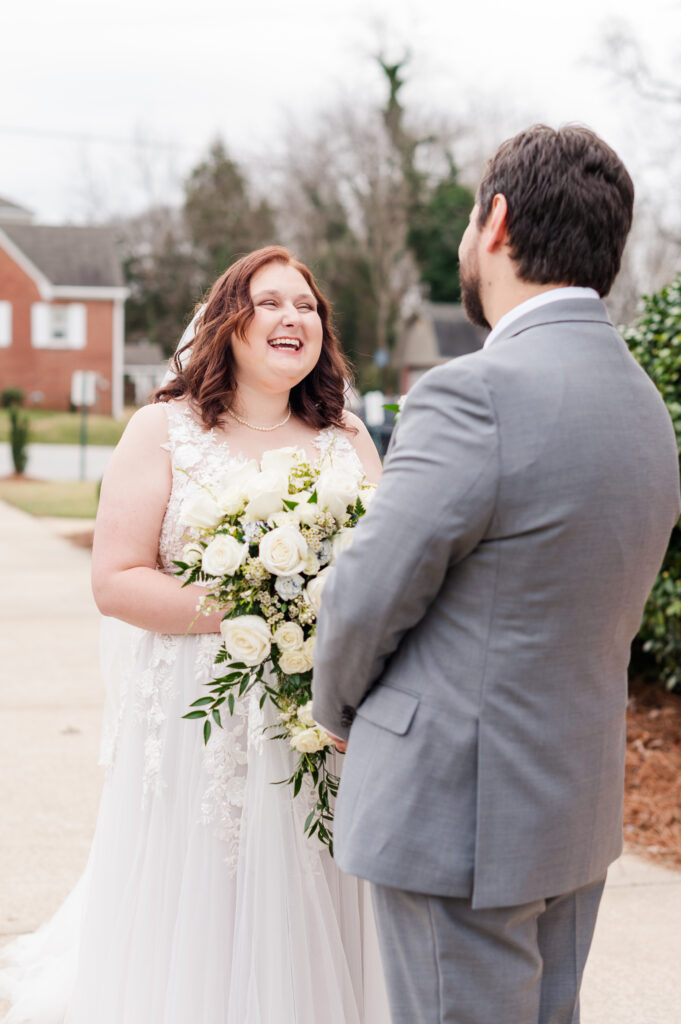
(202, 900)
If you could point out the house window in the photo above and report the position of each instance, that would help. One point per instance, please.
(5, 324)
(58, 326)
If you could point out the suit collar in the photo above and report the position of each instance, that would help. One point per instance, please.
(586, 310)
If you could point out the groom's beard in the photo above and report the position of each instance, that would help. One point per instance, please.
(469, 278)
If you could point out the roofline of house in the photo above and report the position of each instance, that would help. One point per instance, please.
(21, 259)
(67, 291)
(50, 291)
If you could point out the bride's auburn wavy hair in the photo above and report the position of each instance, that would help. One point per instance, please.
(209, 378)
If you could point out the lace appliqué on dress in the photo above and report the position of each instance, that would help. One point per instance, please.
(330, 443)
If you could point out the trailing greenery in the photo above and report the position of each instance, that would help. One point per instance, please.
(18, 438)
(655, 341)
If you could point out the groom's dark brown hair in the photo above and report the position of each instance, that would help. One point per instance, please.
(570, 203)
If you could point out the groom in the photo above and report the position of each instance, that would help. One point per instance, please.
(474, 640)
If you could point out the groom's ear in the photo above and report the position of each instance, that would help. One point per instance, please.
(495, 228)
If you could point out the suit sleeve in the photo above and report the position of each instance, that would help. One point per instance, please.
(433, 506)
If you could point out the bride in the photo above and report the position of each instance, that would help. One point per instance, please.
(203, 901)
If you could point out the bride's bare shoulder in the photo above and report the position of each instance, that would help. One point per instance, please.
(148, 423)
(359, 437)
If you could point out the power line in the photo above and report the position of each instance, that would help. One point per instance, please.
(111, 140)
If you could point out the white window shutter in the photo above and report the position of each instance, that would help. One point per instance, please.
(5, 324)
(41, 333)
(77, 325)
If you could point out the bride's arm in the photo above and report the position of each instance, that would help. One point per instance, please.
(135, 490)
(360, 438)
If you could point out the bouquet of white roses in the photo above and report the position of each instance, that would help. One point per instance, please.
(263, 544)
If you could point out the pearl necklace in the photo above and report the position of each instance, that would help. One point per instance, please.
(254, 426)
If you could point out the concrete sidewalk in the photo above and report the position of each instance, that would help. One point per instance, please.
(50, 712)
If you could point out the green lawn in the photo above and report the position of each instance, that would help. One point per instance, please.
(64, 427)
(74, 500)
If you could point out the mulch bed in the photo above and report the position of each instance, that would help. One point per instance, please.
(652, 799)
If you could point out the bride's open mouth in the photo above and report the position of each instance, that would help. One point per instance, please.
(285, 344)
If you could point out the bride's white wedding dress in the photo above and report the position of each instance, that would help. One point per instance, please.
(202, 902)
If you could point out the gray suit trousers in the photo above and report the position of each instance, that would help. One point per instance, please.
(447, 963)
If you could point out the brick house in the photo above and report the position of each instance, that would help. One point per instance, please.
(61, 309)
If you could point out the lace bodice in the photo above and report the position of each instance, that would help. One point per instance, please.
(199, 459)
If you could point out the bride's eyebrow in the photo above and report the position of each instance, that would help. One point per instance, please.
(273, 292)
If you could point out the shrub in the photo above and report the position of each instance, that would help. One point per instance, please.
(10, 397)
(655, 341)
(18, 438)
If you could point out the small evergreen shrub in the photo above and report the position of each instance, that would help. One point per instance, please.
(10, 397)
(655, 341)
(18, 438)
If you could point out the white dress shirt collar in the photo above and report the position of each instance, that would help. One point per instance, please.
(554, 295)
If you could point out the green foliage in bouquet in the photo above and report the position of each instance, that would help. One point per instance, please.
(655, 341)
(263, 547)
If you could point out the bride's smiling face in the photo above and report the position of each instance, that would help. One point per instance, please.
(283, 341)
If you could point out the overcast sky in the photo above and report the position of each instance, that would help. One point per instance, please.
(74, 75)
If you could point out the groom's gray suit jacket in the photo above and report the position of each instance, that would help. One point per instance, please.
(480, 625)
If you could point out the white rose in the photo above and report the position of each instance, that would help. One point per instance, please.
(265, 493)
(342, 541)
(309, 741)
(289, 637)
(305, 512)
(239, 476)
(223, 556)
(305, 715)
(200, 510)
(247, 639)
(283, 519)
(192, 553)
(295, 661)
(283, 551)
(337, 488)
(232, 499)
(281, 461)
(312, 565)
(313, 591)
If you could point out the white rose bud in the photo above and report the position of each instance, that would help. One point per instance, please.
(295, 661)
(266, 493)
(342, 541)
(337, 488)
(200, 510)
(289, 637)
(239, 476)
(247, 639)
(223, 556)
(283, 551)
(305, 715)
(281, 461)
(192, 553)
(309, 741)
(313, 591)
(283, 519)
(312, 565)
(233, 493)
(305, 512)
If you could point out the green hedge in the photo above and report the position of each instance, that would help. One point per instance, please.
(655, 341)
